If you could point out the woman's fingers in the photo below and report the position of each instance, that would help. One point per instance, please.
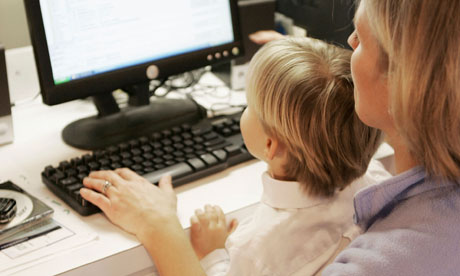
(102, 186)
(110, 176)
(165, 184)
(96, 198)
(128, 174)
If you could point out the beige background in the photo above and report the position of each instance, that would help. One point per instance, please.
(13, 25)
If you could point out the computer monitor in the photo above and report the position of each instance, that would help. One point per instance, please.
(93, 47)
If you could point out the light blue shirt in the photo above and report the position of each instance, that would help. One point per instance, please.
(412, 227)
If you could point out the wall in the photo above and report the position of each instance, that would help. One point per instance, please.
(13, 25)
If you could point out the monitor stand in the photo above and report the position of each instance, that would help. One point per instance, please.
(141, 117)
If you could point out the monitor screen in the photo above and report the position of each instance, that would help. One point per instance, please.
(92, 47)
(83, 47)
(90, 37)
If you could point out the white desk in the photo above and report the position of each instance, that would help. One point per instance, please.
(108, 250)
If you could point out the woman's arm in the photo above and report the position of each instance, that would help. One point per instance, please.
(147, 211)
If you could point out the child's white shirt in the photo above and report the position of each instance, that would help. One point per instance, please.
(290, 232)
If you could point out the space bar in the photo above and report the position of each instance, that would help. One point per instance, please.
(174, 171)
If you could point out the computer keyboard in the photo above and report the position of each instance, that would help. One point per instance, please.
(186, 152)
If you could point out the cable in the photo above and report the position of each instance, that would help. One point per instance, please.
(21, 102)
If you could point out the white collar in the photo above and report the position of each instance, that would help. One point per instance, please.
(287, 194)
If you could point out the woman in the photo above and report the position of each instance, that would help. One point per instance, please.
(406, 68)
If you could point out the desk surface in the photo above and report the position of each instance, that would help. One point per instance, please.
(37, 143)
(103, 248)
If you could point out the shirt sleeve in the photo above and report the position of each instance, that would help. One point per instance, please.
(216, 263)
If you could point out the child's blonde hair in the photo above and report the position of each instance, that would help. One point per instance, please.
(302, 91)
(420, 41)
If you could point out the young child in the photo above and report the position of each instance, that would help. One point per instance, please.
(300, 120)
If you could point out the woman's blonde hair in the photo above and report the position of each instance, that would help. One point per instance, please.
(302, 91)
(420, 41)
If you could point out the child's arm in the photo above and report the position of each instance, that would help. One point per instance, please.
(209, 230)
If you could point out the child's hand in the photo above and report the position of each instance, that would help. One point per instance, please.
(209, 230)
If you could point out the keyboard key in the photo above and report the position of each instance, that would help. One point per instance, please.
(158, 160)
(176, 171)
(67, 181)
(113, 150)
(49, 170)
(210, 136)
(115, 166)
(94, 166)
(57, 177)
(198, 139)
(143, 140)
(104, 162)
(146, 148)
(137, 167)
(127, 163)
(136, 152)
(186, 135)
(188, 143)
(208, 158)
(148, 156)
(87, 158)
(71, 172)
(74, 187)
(76, 161)
(64, 165)
(220, 154)
(196, 163)
(166, 133)
(214, 142)
(176, 138)
(156, 145)
(82, 169)
(226, 131)
(201, 130)
(156, 136)
(176, 130)
(123, 147)
(138, 159)
(147, 164)
(233, 150)
(134, 143)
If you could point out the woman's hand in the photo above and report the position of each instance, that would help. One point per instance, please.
(209, 230)
(130, 201)
(262, 37)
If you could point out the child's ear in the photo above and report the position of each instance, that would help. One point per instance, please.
(272, 148)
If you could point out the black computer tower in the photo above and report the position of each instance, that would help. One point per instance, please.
(254, 15)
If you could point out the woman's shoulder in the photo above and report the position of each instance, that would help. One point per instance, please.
(416, 236)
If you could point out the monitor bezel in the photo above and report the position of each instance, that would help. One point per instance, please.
(109, 81)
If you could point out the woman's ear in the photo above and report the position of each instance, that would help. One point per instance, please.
(272, 148)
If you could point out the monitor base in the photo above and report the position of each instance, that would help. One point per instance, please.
(99, 132)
